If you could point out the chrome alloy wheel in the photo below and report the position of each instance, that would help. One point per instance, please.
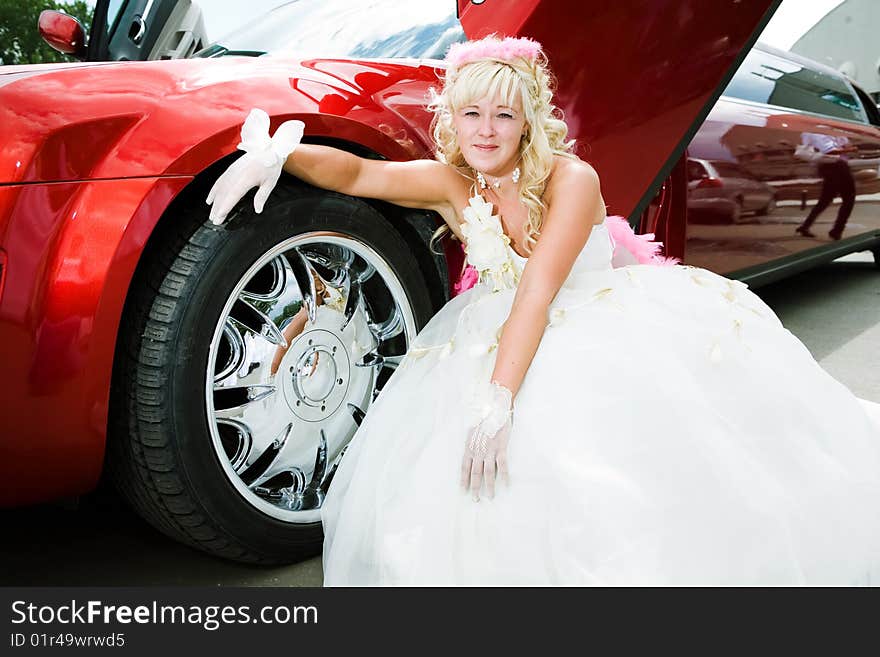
(306, 340)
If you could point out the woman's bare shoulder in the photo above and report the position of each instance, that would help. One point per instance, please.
(568, 175)
(574, 179)
(458, 187)
(567, 169)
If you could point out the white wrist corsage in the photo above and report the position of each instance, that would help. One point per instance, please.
(492, 408)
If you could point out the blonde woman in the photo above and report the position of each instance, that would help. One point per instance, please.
(532, 435)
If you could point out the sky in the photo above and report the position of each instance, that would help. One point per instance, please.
(792, 19)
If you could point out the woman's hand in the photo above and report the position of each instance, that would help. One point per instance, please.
(485, 452)
(260, 166)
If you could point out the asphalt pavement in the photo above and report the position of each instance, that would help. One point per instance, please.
(96, 540)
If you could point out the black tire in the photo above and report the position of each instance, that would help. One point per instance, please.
(736, 211)
(876, 253)
(767, 209)
(161, 454)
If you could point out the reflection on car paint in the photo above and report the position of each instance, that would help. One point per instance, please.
(732, 224)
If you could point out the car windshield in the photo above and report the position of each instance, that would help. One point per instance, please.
(343, 28)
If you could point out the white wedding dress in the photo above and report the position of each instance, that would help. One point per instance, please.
(669, 431)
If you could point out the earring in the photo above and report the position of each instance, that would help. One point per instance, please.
(481, 180)
(515, 175)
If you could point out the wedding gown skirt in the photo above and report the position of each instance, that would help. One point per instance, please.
(669, 431)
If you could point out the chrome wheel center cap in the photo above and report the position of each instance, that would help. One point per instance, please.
(314, 375)
(318, 375)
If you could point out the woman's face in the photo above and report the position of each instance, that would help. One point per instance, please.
(489, 134)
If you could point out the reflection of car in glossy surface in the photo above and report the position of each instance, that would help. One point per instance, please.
(218, 373)
(773, 101)
(723, 189)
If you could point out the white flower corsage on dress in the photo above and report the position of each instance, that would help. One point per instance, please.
(487, 247)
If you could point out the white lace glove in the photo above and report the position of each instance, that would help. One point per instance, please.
(485, 452)
(260, 166)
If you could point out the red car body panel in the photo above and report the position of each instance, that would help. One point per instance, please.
(92, 155)
(58, 321)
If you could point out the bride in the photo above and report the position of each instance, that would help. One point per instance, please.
(532, 435)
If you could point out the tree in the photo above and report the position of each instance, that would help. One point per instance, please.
(20, 41)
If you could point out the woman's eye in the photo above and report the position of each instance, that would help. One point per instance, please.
(505, 115)
(471, 113)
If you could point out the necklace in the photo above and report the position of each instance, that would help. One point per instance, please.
(496, 184)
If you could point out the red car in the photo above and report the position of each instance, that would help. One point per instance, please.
(217, 373)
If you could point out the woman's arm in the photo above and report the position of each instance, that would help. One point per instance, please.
(426, 184)
(576, 203)
(417, 183)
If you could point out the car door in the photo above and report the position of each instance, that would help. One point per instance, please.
(773, 101)
(131, 29)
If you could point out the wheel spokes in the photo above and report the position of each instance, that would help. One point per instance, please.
(283, 448)
(375, 359)
(328, 478)
(234, 350)
(320, 468)
(353, 301)
(356, 413)
(385, 330)
(276, 287)
(237, 441)
(267, 464)
(229, 401)
(257, 322)
(305, 275)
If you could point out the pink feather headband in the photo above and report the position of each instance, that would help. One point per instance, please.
(505, 50)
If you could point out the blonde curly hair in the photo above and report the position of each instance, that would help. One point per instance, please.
(545, 135)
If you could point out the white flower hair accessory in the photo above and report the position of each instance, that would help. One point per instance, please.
(487, 246)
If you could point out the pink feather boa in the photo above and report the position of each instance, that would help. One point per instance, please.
(633, 249)
(629, 249)
(469, 278)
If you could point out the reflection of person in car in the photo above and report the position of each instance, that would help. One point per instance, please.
(659, 424)
(298, 324)
(830, 155)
